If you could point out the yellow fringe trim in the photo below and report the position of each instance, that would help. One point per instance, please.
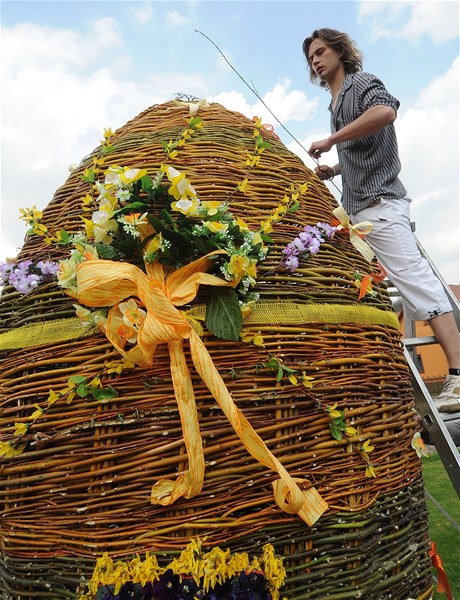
(292, 313)
(44, 333)
(263, 313)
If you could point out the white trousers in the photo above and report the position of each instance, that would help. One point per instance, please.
(396, 249)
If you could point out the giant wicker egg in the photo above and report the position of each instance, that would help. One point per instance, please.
(302, 426)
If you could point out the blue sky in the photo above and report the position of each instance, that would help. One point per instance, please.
(71, 69)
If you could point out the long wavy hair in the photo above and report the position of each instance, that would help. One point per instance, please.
(350, 55)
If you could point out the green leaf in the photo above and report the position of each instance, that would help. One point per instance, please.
(336, 433)
(294, 207)
(146, 183)
(267, 238)
(223, 314)
(261, 143)
(65, 237)
(77, 379)
(130, 208)
(194, 121)
(106, 252)
(167, 217)
(104, 393)
(82, 390)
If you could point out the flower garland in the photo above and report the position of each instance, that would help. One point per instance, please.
(307, 243)
(25, 276)
(195, 574)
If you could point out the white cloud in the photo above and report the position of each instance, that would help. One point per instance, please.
(428, 134)
(278, 103)
(176, 19)
(411, 19)
(142, 13)
(28, 45)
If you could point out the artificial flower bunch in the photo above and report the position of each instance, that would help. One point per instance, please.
(184, 228)
(160, 219)
(26, 276)
(307, 243)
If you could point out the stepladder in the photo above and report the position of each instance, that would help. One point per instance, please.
(442, 429)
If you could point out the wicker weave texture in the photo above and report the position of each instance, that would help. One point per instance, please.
(82, 484)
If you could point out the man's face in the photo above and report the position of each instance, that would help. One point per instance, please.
(324, 61)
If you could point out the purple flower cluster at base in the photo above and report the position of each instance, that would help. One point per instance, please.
(247, 586)
(308, 242)
(25, 276)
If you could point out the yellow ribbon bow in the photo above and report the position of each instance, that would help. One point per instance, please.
(159, 291)
(356, 232)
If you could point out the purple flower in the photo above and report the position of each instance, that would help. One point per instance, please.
(25, 276)
(5, 269)
(48, 267)
(308, 242)
(291, 263)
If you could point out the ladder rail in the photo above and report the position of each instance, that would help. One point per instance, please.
(435, 426)
(431, 418)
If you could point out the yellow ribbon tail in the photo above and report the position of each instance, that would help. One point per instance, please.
(307, 504)
(188, 484)
(356, 232)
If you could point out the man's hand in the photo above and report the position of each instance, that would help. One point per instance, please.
(325, 172)
(317, 148)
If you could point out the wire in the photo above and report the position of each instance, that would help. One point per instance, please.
(258, 96)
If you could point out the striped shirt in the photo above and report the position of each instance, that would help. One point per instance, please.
(369, 165)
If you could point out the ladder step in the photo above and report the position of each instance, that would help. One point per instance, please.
(421, 341)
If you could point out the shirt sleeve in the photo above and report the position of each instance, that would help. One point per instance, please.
(370, 91)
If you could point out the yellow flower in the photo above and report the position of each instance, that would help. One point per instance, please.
(86, 200)
(370, 471)
(96, 383)
(30, 214)
(215, 226)
(257, 239)
(306, 380)
(252, 161)
(242, 185)
(118, 366)
(134, 219)
(37, 413)
(180, 185)
(292, 378)
(53, 397)
(20, 428)
(132, 314)
(366, 447)
(186, 206)
(211, 207)
(67, 273)
(247, 308)
(333, 412)
(240, 265)
(241, 224)
(129, 176)
(350, 431)
(155, 244)
(127, 332)
(7, 449)
(266, 226)
(89, 252)
(418, 445)
(256, 338)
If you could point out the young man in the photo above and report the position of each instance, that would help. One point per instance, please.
(362, 116)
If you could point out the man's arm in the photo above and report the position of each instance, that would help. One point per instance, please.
(371, 121)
